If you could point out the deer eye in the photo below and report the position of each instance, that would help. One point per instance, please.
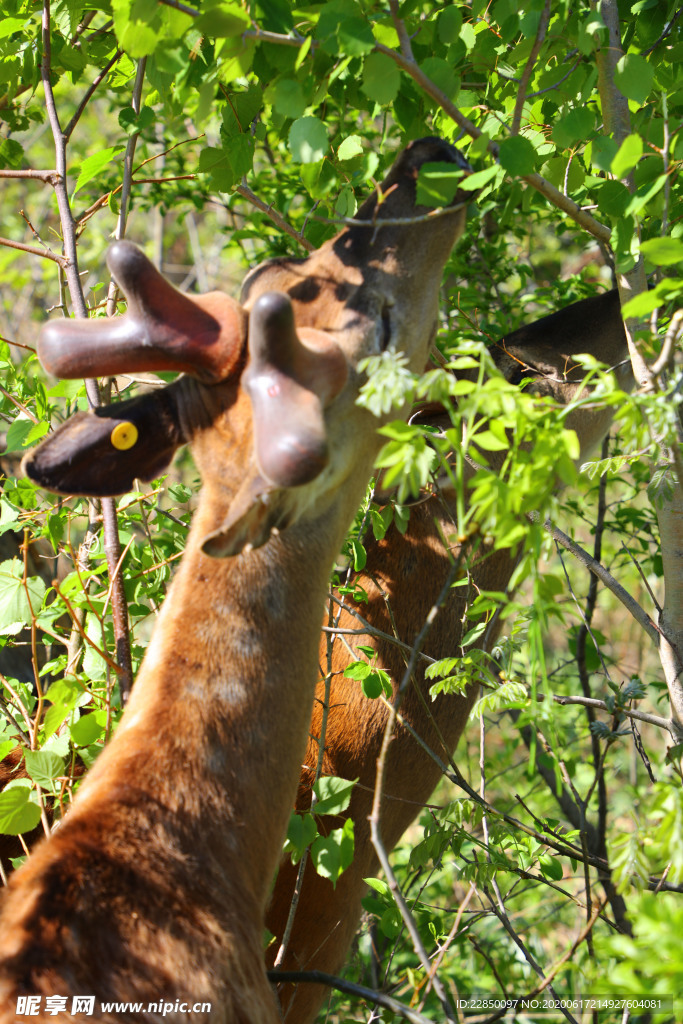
(386, 329)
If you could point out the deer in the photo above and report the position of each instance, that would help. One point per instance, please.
(402, 579)
(154, 885)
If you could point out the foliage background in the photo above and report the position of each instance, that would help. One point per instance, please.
(220, 136)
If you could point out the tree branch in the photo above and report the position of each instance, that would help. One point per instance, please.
(277, 218)
(49, 177)
(528, 69)
(631, 605)
(111, 537)
(557, 198)
(350, 988)
(36, 250)
(84, 102)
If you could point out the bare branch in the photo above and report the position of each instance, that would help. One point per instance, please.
(350, 988)
(36, 250)
(640, 716)
(180, 7)
(529, 67)
(49, 177)
(127, 179)
(631, 605)
(276, 217)
(672, 335)
(399, 25)
(112, 543)
(84, 102)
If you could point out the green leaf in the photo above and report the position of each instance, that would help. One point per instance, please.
(16, 605)
(472, 182)
(18, 813)
(487, 440)
(277, 15)
(442, 74)
(381, 78)
(355, 37)
(308, 140)
(628, 155)
(358, 670)
(633, 76)
(574, 126)
(551, 867)
(332, 854)
(132, 122)
(43, 766)
(223, 20)
(437, 184)
(17, 434)
(340, 31)
(301, 832)
(92, 165)
(359, 555)
(603, 151)
(517, 156)
(228, 164)
(350, 147)
(333, 794)
(449, 24)
(138, 26)
(613, 198)
(8, 26)
(663, 252)
(11, 151)
(89, 728)
(287, 97)
(376, 683)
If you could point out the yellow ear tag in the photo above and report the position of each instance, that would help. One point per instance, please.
(124, 436)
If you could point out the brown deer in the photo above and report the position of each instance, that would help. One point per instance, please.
(154, 886)
(403, 577)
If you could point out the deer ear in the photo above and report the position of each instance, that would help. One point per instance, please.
(101, 453)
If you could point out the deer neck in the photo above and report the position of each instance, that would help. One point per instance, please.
(223, 698)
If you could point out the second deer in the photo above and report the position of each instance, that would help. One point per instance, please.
(403, 577)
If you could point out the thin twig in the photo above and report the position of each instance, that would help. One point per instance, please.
(36, 250)
(71, 271)
(127, 178)
(350, 988)
(669, 344)
(529, 67)
(581, 937)
(276, 217)
(639, 716)
(374, 819)
(401, 31)
(84, 102)
(631, 605)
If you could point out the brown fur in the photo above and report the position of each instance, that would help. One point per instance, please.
(154, 886)
(407, 573)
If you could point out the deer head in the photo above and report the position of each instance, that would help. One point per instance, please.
(292, 345)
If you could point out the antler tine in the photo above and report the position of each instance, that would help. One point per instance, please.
(162, 330)
(290, 380)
